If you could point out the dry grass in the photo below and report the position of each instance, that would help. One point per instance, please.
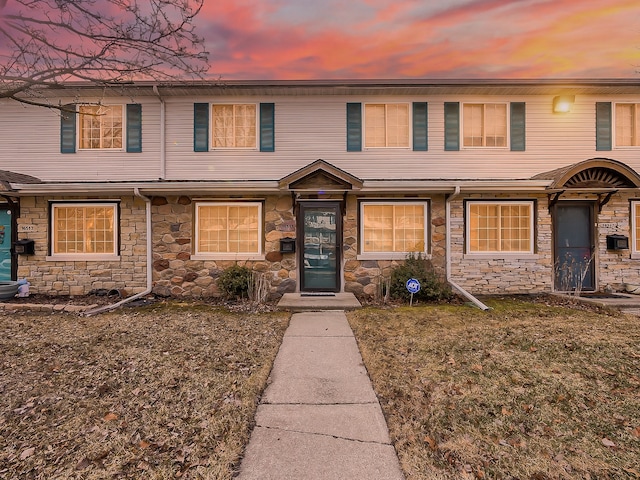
(525, 391)
(167, 391)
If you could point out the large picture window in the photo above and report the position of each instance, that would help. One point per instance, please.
(234, 126)
(393, 228)
(228, 229)
(627, 121)
(484, 125)
(101, 126)
(635, 227)
(84, 229)
(500, 227)
(386, 125)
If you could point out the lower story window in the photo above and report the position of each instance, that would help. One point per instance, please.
(500, 227)
(84, 229)
(393, 227)
(635, 226)
(228, 228)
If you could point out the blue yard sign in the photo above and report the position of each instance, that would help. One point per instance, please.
(413, 286)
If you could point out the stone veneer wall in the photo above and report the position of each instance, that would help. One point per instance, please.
(80, 277)
(176, 274)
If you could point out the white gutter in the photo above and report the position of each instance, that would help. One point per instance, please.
(163, 151)
(147, 291)
(470, 297)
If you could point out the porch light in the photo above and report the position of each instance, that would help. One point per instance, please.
(563, 103)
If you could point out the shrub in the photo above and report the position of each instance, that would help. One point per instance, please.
(432, 288)
(234, 282)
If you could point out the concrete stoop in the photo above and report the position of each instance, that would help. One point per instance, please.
(301, 302)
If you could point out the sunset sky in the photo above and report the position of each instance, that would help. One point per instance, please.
(398, 39)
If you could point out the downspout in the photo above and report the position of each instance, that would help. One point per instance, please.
(163, 154)
(466, 294)
(108, 308)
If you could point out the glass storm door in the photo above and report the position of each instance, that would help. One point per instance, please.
(6, 220)
(574, 249)
(320, 233)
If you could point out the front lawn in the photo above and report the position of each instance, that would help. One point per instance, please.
(167, 391)
(524, 391)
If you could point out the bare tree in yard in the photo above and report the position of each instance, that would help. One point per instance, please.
(105, 42)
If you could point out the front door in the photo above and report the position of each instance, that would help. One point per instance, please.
(574, 247)
(6, 236)
(320, 232)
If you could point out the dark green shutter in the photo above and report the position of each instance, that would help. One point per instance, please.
(354, 127)
(68, 129)
(134, 128)
(267, 127)
(603, 126)
(420, 130)
(452, 126)
(200, 127)
(518, 122)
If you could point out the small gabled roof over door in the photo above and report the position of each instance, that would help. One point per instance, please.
(596, 173)
(320, 177)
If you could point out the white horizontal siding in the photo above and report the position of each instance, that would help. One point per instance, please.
(307, 128)
(30, 144)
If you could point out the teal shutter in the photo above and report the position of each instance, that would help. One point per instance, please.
(354, 127)
(134, 128)
(518, 122)
(603, 126)
(267, 127)
(420, 130)
(68, 129)
(200, 127)
(452, 126)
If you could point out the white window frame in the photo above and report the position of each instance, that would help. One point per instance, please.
(386, 117)
(85, 256)
(234, 104)
(500, 253)
(484, 137)
(636, 108)
(197, 255)
(635, 252)
(362, 255)
(123, 121)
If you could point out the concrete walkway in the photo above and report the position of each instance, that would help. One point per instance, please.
(319, 417)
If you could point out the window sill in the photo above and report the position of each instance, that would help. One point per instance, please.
(226, 256)
(500, 256)
(82, 258)
(389, 256)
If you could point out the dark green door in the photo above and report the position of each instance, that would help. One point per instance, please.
(320, 232)
(6, 236)
(574, 247)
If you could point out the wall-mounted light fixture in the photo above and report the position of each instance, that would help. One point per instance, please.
(563, 103)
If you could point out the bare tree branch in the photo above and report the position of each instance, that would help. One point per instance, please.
(46, 42)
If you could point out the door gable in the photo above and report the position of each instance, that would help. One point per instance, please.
(320, 176)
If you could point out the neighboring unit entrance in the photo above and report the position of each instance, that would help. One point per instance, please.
(6, 238)
(319, 234)
(574, 247)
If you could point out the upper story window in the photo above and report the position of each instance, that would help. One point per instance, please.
(228, 229)
(484, 125)
(84, 230)
(386, 125)
(393, 229)
(627, 121)
(499, 227)
(101, 126)
(234, 126)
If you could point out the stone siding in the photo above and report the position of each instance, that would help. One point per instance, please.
(129, 274)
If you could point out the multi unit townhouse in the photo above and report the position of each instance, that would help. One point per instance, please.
(514, 186)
